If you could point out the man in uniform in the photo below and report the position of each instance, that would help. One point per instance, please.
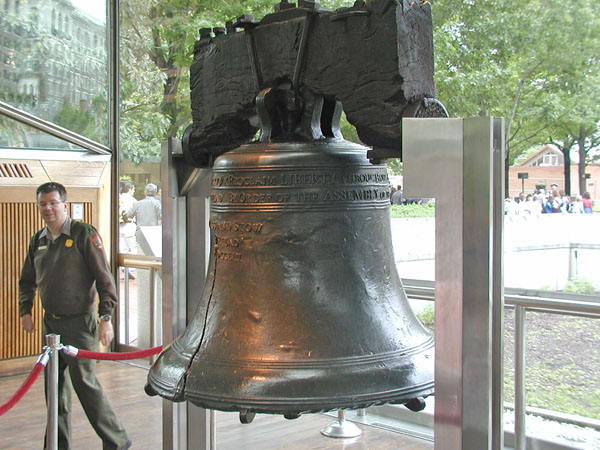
(64, 261)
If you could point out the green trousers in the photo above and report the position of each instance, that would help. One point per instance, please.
(81, 331)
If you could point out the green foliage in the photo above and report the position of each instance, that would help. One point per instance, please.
(157, 38)
(74, 119)
(426, 315)
(348, 130)
(579, 285)
(536, 65)
(412, 211)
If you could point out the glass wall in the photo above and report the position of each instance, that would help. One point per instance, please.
(53, 65)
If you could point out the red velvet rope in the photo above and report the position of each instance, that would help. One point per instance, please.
(37, 369)
(118, 356)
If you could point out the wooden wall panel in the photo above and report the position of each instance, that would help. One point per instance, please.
(18, 222)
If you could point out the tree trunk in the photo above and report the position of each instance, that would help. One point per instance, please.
(506, 174)
(567, 169)
(582, 162)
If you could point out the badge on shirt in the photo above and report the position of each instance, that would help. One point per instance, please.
(68, 243)
(97, 242)
(42, 247)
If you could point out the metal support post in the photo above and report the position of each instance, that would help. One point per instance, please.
(452, 161)
(520, 399)
(153, 311)
(213, 429)
(341, 428)
(52, 341)
(125, 307)
(184, 201)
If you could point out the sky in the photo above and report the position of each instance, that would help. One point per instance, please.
(95, 8)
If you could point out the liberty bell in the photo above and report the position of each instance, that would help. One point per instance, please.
(303, 309)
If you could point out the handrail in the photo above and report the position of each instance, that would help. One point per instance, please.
(522, 300)
(547, 301)
(53, 129)
(154, 265)
(139, 261)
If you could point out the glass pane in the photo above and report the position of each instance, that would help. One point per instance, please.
(14, 134)
(53, 58)
(552, 252)
(561, 382)
(136, 288)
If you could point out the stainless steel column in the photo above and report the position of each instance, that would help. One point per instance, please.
(184, 210)
(520, 392)
(52, 341)
(452, 160)
(498, 287)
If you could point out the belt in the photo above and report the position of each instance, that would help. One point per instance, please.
(66, 316)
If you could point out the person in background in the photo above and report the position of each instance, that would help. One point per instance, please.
(396, 197)
(531, 205)
(556, 201)
(588, 204)
(577, 205)
(564, 202)
(66, 263)
(126, 224)
(147, 212)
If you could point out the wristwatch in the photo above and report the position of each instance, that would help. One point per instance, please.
(105, 317)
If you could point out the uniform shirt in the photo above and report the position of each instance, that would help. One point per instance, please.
(147, 212)
(65, 270)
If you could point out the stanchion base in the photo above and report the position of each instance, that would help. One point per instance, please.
(341, 429)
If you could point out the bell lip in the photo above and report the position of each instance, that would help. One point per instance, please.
(337, 388)
(312, 405)
(167, 391)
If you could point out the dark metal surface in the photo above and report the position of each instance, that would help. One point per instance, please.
(375, 58)
(303, 309)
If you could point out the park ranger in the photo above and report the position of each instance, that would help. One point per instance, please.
(66, 262)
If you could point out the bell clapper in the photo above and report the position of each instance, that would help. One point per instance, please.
(247, 416)
(416, 404)
(341, 428)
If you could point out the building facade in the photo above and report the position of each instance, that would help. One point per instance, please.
(53, 58)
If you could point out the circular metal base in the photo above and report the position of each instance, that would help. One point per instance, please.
(341, 429)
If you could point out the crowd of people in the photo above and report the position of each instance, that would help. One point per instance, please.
(553, 201)
(397, 198)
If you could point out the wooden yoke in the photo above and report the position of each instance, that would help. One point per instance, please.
(291, 73)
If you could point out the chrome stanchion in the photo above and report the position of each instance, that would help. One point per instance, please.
(126, 303)
(153, 310)
(341, 428)
(213, 429)
(53, 342)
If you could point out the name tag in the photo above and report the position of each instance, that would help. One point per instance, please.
(42, 247)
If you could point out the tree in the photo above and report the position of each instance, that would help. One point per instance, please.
(158, 38)
(493, 58)
(575, 86)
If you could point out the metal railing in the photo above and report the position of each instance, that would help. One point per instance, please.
(53, 129)
(154, 265)
(522, 300)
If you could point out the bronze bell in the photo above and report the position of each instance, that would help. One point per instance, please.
(303, 309)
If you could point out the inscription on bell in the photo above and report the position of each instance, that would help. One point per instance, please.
(308, 179)
(228, 256)
(356, 194)
(247, 227)
(228, 241)
(296, 179)
(256, 180)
